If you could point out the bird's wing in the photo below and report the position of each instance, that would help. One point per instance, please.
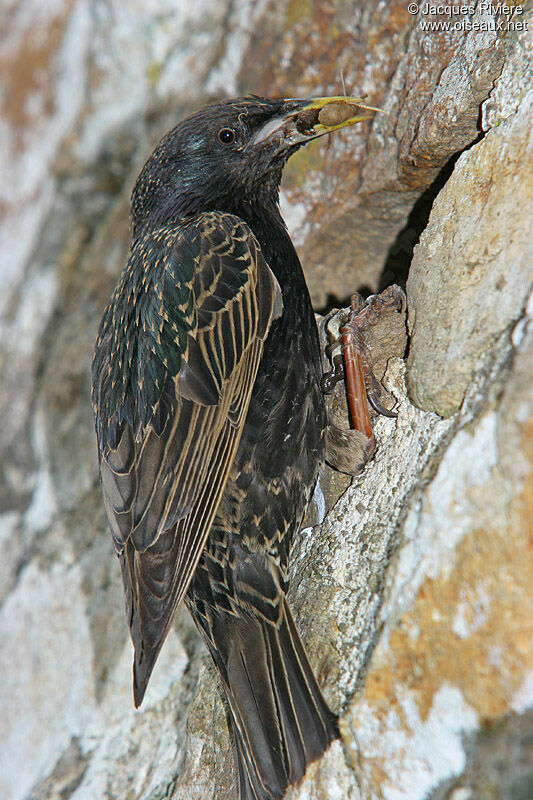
(175, 363)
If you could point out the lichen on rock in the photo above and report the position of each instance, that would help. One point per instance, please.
(412, 594)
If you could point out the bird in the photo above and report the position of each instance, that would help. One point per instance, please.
(211, 423)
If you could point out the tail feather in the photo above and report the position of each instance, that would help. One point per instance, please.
(281, 721)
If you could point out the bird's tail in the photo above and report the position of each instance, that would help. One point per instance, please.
(281, 722)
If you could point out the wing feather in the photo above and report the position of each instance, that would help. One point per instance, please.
(174, 368)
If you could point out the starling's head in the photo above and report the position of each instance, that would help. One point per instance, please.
(230, 155)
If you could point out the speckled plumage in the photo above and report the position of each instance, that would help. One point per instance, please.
(211, 423)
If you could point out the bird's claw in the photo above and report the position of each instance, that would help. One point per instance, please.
(379, 408)
(330, 379)
(367, 312)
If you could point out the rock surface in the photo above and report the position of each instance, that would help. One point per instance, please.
(472, 273)
(414, 594)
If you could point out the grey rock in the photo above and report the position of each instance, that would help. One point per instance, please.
(473, 270)
(412, 594)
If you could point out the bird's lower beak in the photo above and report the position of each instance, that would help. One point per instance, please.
(303, 120)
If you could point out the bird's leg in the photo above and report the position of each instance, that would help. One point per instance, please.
(356, 371)
(334, 348)
(360, 379)
(351, 359)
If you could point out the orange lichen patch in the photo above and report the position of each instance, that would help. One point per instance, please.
(526, 497)
(28, 71)
(471, 629)
(379, 775)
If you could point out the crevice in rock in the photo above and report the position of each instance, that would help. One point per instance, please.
(400, 255)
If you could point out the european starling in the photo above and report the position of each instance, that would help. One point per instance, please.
(211, 422)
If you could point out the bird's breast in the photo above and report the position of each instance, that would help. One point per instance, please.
(283, 439)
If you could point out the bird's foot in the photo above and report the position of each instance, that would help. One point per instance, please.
(351, 359)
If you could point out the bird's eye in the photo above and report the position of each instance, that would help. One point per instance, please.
(226, 136)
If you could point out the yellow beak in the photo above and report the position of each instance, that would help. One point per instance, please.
(334, 113)
(299, 120)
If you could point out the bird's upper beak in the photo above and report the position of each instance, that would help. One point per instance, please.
(299, 121)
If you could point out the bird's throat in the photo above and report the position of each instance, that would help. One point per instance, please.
(268, 226)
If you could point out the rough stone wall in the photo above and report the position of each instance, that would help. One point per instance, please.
(414, 595)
